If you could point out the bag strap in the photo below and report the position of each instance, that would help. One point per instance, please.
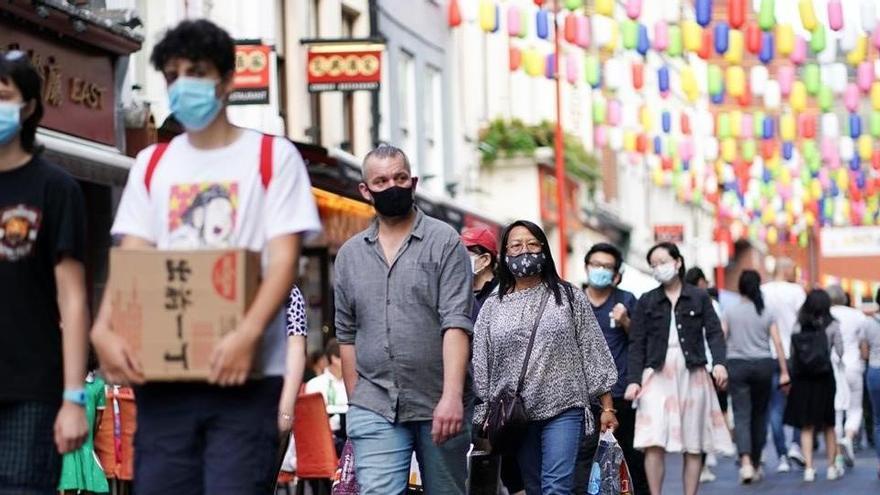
(525, 366)
(158, 151)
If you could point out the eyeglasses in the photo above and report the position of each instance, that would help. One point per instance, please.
(610, 267)
(516, 248)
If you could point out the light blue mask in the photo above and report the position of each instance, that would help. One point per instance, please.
(194, 102)
(600, 278)
(10, 121)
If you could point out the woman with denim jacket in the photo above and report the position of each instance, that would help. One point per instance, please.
(678, 410)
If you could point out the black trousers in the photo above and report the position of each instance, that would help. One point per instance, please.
(750, 386)
(635, 459)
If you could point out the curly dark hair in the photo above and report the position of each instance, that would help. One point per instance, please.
(198, 40)
(16, 68)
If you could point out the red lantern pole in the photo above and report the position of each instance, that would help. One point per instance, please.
(559, 151)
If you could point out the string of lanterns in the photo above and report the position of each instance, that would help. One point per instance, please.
(767, 121)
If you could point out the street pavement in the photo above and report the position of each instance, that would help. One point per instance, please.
(861, 479)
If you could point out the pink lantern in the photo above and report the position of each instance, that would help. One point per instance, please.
(514, 21)
(661, 36)
(799, 51)
(835, 15)
(686, 150)
(633, 9)
(827, 149)
(875, 37)
(600, 136)
(824, 178)
(614, 112)
(747, 126)
(582, 31)
(851, 97)
(571, 68)
(865, 76)
(785, 76)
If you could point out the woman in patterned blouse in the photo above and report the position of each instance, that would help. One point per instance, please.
(570, 364)
(297, 330)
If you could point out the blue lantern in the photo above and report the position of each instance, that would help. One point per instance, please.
(767, 48)
(855, 125)
(787, 150)
(663, 79)
(767, 128)
(543, 25)
(644, 43)
(704, 12)
(721, 34)
(666, 120)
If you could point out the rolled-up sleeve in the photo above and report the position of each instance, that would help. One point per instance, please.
(456, 295)
(346, 320)
(599, 367)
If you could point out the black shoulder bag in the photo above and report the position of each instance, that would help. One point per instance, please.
(506, 418)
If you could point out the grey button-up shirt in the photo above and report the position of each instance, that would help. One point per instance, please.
(396, 315)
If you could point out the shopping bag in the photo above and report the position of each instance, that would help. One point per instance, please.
(345, 481)
(609, 474)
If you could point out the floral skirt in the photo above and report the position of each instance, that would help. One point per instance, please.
(678, 410)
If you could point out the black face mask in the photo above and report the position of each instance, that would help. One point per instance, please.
(395, 201)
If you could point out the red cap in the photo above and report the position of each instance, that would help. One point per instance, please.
(480, 236)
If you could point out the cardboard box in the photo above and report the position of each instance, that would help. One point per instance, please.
(174, 306)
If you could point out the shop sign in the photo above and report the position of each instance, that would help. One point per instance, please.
(344, 66)
(673, 233)
(79, 94)
(840, 242)
(252, 75)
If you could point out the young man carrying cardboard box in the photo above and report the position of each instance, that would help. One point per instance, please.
(215, 187)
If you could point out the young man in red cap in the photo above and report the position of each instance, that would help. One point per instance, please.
(482, 245)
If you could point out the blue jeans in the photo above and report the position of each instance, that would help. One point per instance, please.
(548, 454)
(383, 453)
(872, 378)
(777, 409)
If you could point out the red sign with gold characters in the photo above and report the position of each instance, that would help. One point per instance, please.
(673, 233)
(251, 79)
(344, 66)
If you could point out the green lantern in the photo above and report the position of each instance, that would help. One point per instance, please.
(675, 42)
(812, 79)
(817, 39)
(767, 15)
(630, 33)
(826, 98)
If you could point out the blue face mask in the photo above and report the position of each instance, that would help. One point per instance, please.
(194, 102)
(600, 278)
(10, 121)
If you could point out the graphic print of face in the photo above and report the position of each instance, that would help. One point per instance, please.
(213, 215)
(16, 231)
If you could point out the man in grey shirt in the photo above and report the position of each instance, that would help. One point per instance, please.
(403, 305)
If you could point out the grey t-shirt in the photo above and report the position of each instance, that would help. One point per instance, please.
(748, 334)
(871, 336)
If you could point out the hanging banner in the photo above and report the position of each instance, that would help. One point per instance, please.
(344, 66)
(252, 75)
(850, 241)
(673, 233)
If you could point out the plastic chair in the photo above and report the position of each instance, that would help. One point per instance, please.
(316, 459)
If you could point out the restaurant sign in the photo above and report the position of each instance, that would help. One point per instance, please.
(344, 66)
(252, 75)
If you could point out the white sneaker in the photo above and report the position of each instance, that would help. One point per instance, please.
(759, 474)
(847, 447)
(711, 460)
(809, 475)
(834, 473)
(707, 476)
(746, 474)
(783, 466)
(795, 454)
(840, 464)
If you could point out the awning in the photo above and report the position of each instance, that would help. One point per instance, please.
(85, 160)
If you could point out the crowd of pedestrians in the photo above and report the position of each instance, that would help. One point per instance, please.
(433, 329)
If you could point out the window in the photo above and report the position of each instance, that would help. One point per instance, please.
(406, 93)
(434, 163)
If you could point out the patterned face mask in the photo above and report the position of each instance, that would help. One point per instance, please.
(526, 264)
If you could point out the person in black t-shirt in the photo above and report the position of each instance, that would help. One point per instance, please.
(612, 307)
(42, 237)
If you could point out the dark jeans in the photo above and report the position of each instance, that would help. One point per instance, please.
(29, 461)
(635, 459)
(750, 386)
(198, 439)
(777, 409)
(872, 379)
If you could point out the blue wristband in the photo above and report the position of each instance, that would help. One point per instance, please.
(77, 396)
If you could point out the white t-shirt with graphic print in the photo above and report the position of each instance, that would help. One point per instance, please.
(211, 199)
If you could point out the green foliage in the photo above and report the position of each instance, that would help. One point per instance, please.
(506, 139)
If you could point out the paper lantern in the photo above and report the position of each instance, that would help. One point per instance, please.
(692, 35)
(638, 75)
(875, 124)
(825, 98)
(689, 83)
(769, 128)
(717, 99)
(592, 71)
(807, 124)
(787, 127)
(865, 76)
(784, 39)
(855, 125)
(671, 10)
(630, 33)
(728, 150)
(646, 118)
(715, 81)
(613, 38)
(757, 123)
(799, 51)
(868, 15)
(605, 7)
(614, 73)
(550, 66)
(875, 38)
(722, 32)
(599, 110)
(600, 136)
(569, 27)
(787, 150)
(851, 97)
(812, 79)
(735, 47)
(710, 149)
(542, 24)
(767, 48)
(736, 123)
(453, 14)
(658, 147)
(857, 55)
(644, 43)
(723, 126)
(515, 59)
(829, 54)
(785, 76)
(736, 80)
(748, 150)
(808, 15)
(767, 14)
(772, 95)
(704, 12)
(675, 42)
(866, 147)
(663, 79)
(838, 78)
(830, 126)
(575, 4)
(753, 38)
(633, 9)
(615, 139)
(835, 15)
(746, 125)
(524, 21)
(875, 95)
(828, 149)
(613, 112)
(488, 16)
(571, 67)
(581, 31)
(705, 50)
(661, 36)
(817, 39)
(666, 121)
(533, 62)
(736, 13)
(685, 123)
(641, 143)
(758, 77)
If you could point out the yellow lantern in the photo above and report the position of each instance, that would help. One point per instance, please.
(613, 40)
(736, 119)
(735, 43)
(772, 235)
(689, 83)
(605, 7)
(798, 96)
(866, 147)
(629, 141)
(784, 39)
(858, 54)
(487, 15)
(875, 95)
(646, 118)
(787, 127)
(533, 62)
(808, 15)
(736, 80)
(692, 36)
(728, 150)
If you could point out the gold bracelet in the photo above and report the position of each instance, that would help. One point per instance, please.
(611, 410)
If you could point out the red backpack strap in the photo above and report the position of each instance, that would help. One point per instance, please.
(158, 151)
(266, 160)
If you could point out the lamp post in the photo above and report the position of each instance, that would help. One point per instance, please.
(559, 152)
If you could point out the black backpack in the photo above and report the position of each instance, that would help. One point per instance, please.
(810, 354)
